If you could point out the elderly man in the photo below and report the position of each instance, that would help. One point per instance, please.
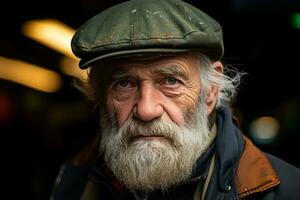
(166, 131)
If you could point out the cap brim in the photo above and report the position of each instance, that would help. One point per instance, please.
(156, 52)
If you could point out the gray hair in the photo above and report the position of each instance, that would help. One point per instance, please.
(227, 81)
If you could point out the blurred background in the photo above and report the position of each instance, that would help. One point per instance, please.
(44, 119)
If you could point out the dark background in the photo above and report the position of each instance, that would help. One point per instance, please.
(40, 130)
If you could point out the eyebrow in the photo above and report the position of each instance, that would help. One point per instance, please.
(171, 71)
(119, 74)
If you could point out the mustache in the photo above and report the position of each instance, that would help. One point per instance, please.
(135, 127)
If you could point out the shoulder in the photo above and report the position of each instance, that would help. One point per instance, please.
(265, 176)
(284, 169)
(289, 176)
(70, 182)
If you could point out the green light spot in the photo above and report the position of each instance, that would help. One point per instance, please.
(296, 20)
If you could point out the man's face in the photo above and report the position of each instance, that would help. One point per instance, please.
(163, 88)
(154, 124)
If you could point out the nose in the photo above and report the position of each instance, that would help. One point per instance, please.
(149, 103)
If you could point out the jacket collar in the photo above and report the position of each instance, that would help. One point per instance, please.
(255, 172)
(229, 148)
(241, 168)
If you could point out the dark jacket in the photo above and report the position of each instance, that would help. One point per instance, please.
(241, 171)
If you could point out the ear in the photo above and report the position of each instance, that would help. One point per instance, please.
(212, 95)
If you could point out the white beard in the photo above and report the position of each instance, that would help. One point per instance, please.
(148, 165)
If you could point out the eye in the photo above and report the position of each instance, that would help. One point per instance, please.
(124, 83)
(171, 81)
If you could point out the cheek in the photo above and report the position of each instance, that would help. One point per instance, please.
(177, 107)
(122, 109)
(190, 99)
(175, 113)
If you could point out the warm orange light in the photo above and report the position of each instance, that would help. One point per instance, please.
(265, 129)
(29, 75)
(71, 68)
(51, 33)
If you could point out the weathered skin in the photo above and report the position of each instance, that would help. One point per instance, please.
(163, 87)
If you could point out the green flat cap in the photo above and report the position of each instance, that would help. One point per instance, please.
(142, 27)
